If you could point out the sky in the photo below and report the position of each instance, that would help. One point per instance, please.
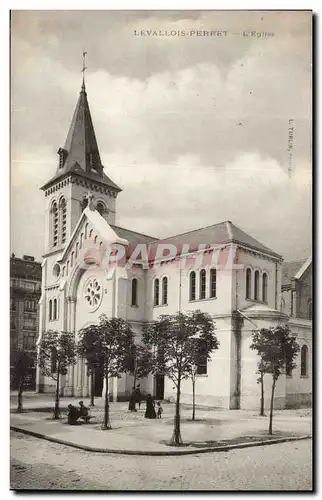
(195, 129)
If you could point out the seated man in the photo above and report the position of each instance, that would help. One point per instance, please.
(83, 412)
(73, 415)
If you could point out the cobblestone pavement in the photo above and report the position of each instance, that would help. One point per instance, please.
(37, 464)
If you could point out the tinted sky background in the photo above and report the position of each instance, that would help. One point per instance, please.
(194, 129)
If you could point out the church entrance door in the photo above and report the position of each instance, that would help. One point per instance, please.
(98, 385)
(159, 387)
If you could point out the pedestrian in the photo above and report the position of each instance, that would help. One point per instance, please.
(132, 400)
(159, 410)
(83, 412)
(73, 415)
(150, 411)
(138, 395)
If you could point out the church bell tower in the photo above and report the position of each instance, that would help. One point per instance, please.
(79, 171)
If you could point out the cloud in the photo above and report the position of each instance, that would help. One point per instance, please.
(194, 130)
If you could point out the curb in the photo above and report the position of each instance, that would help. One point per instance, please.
(160, 453)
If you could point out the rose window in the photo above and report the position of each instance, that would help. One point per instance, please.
(93, 293)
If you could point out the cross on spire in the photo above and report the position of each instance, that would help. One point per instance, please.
(84, 68)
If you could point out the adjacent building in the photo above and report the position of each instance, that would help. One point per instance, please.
(25, 291)
(219, 269)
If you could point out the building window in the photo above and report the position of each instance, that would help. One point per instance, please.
(248, 284)
(134, 301)
(202, 358)
(156, 292)
(63, 219)
(202, 289)
(282, 305)
(29, 340)
(264, 287)
(256, 285)
(12, 304)
(304, 352)
(53, 360)
(309, 309)
(164, 291)
(213, 278)
(54, 215)
(55, 313)
(101, 208)
(50, 310)
(192, 294)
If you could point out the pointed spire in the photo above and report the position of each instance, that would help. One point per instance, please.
(81, 149)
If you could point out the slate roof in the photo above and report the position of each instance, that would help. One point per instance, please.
(290, 269)
(81, 146)
(224, 232)
(133, 237)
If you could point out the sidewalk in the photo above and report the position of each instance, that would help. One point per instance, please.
(133, 434)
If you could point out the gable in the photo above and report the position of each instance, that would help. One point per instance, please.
(91, 233)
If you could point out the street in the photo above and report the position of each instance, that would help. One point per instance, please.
(39, 464)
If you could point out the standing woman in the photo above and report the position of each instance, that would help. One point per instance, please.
(150, 411)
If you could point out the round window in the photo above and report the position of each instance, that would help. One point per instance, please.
(93, 294)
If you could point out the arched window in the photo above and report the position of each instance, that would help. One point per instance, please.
(53, 360)
(134, 300)
(86, 229)
(202, 285)
(67, 268)
(50, 314)
(256, 285)
(304, 351)
(81, 240)
(55, 309)
(282, 304)
(248, 283)
(54, 215)
(213, 278)
(164, 290)
(63, 220)
(192, 294)
(72, 262)
(264, 285)
(156, 292)
(91, 233)
(77, 250)
(309, 309)
(101, 208)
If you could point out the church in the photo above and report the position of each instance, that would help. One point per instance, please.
(218, 269)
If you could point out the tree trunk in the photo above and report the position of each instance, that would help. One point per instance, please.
(92, 388)
(193, 399)
(106, 423)
(176, 436)
(20, 391)
(262, 414)
(56, 410)
(270, 428)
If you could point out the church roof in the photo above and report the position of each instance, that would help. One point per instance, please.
(293, 270)
(80, 154)
(133, 237)
(224, 232)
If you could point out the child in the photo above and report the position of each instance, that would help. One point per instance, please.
(159, 410)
